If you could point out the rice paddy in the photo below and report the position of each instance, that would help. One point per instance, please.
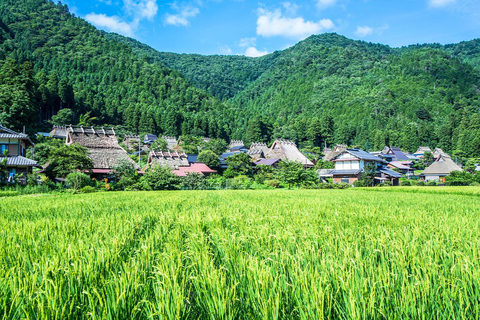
(381, 253)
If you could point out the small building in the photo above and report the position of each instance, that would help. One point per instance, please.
(103, 148)
(439, 169)
(350, 164)
(287, 150)
(405, 167)
(132, 142)
(16, 144)
(437, 152)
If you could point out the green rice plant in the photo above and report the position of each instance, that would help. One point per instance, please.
(378, 253)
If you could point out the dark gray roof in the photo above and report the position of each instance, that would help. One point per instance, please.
(21, 161)
(363, 155)
(10, 134)
(267, 162)
(391, 173)
(346, 172)
(192, 158)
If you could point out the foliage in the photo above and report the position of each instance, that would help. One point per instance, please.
(459, 178)
(161, 178)
(217, 146)
(44, 147)
(159, 145)
(78, 180)
(368, 174)
(264, 172)
(193, 181)
(124, 174)
(63, 117)
(68, 158)
(209, 158)
(322, 164)
(239, 164)
(292, 173)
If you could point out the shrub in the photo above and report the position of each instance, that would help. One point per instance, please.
(78, 180)
(420, 183)
(88, 189)
(359, 183)
(216, 182)
(272, 183)
(240, 182)
(386, 184)
(193, 181)
(161, 178)
(341, 185)
(431, 183)
(459, 178)
(406, 183)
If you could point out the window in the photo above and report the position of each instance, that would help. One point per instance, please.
(3, 147)
(345, 180)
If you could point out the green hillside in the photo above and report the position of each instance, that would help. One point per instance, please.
(57, 60)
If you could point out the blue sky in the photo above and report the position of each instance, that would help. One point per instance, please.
(255, 28)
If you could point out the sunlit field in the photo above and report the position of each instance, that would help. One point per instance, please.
(360, 253)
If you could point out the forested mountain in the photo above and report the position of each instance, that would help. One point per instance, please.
(326, 89)
(50, 59)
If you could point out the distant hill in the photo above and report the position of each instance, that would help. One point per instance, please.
(326, 89)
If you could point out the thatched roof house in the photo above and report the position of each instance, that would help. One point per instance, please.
(59, 132)
(172, 142)
(287, 150)
(258, 150)
(131, 141)
(173, 160)
(329, 154)
(421, 151)
(437, 152)
(236, 145)
(440, 169)
(102, 145)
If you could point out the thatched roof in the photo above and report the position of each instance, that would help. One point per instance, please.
(102, 144)
(236, 143)
(59, 132)
(422, 150)
(171, 141)
(287, 150)
(442, 166)
(439, 152)
(329, 154)
(170, 159)
(258, 150)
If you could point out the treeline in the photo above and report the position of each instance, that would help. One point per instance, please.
(70, 64)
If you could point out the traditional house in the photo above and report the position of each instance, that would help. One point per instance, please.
(102, 145)
(350, 164)
(437, 152)
(16, 144)
(421, 150)
(287, 150)
(329, 154)
(172, 142)
(237, 145)
(258, 150)
(59, 132)
(173, 160)
(439, 169)
(132, 142)
(395, 153)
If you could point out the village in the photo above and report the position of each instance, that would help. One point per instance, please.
(339, 165)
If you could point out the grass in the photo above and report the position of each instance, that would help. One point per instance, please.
(380, 253)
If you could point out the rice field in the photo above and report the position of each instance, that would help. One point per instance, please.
(382, 253)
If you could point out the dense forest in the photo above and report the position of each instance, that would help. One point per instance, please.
(326, 89)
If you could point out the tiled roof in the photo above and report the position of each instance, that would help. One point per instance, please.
(21, 161)
(10, 134)
(198, 167)
(362, 155)
(267, 162)
(346, 172)
(391, 173)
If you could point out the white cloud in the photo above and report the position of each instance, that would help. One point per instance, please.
(225, 50)
(254, 52)
(141, 9)
(181, 19)
(325, 3)
(113, 23)
(440, 3)
(363, 31)
(247, 42)
(291, 8)
(272, 23)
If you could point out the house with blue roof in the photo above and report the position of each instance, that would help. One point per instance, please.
(350, 163)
